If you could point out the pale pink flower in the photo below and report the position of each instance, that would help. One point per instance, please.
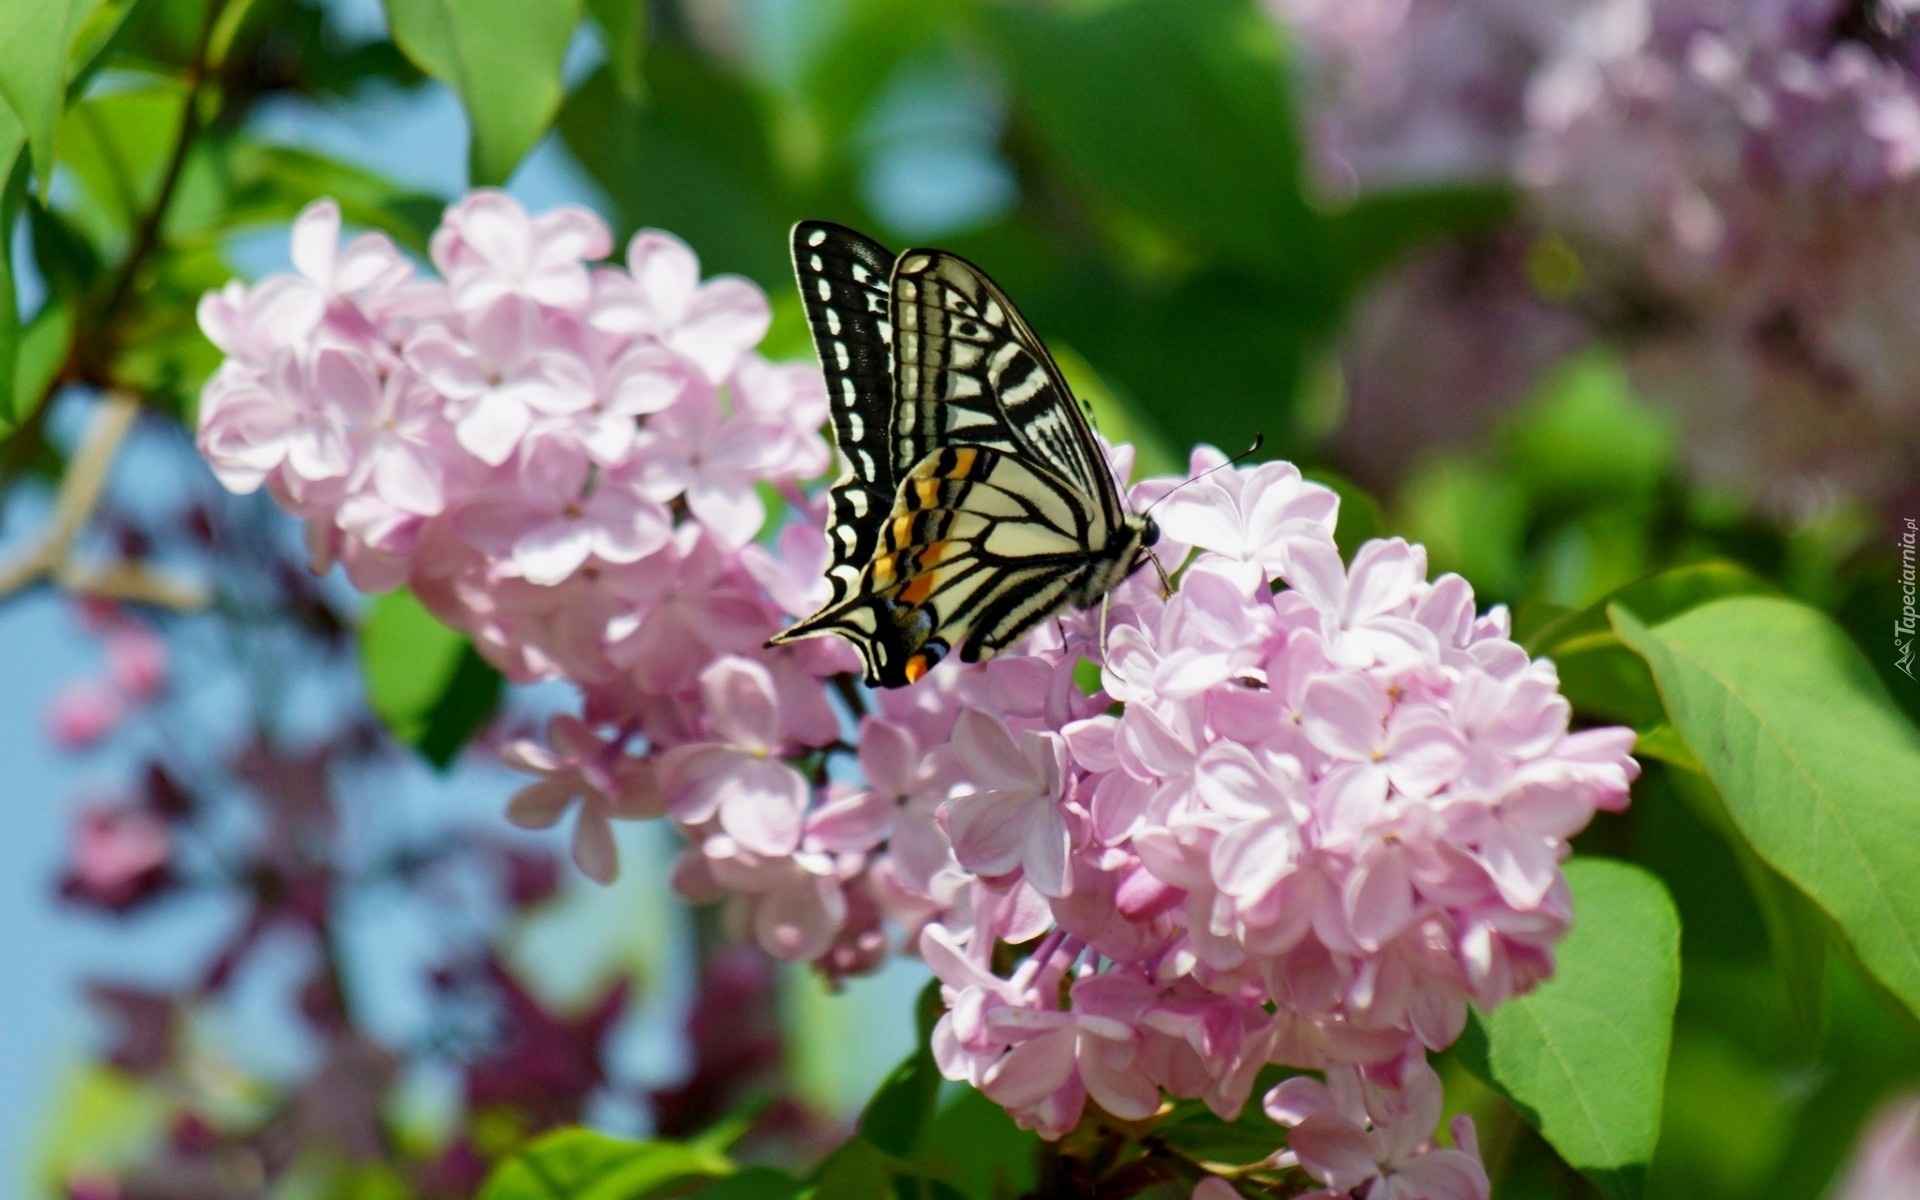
(1254, 516)
(83, 712)
(136, 660)
(368, 265)
(738, 777)
(1011, 819)
(578, 766)
(488, 248)
(498, 376)
(660, 296)
(120, 856)
(715, 462)
(560, 514)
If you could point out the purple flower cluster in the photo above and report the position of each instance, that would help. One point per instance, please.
(1737, 183)
(1753, 170)
(1310, 810)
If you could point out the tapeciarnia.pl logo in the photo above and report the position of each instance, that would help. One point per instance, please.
(1904, 625)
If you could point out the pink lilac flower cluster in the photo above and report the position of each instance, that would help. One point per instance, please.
(1752, 170)
(1310, 810)
(1407, 92)
(1736, 180)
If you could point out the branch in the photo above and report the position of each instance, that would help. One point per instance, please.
(51, 558)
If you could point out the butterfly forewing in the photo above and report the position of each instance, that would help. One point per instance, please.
(970, 369)
(843, 278)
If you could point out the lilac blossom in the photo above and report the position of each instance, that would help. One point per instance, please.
(1311, 808)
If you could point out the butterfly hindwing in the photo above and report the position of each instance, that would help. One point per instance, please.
(980, 546)
(844, 286)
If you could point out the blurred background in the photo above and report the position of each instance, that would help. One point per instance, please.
(1569, 290)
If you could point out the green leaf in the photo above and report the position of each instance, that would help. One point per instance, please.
(1797, 932)
(270, 184)
(1811, 758)
(42, 351)
(1472, 520)
(1584, 1056)
(578, 1164)
(754, 1183)
(116, 144)
(694, 158)
(1202, 141)
(856, 1171)
(424, 681)
(1379, 228)
(902, 1105)
(623, 30)
(1586, 438)
(864, 44)
(13, 186)
(974, 1144)
(33, 72)
(1604, 679)
(503, 57)
(94, 39)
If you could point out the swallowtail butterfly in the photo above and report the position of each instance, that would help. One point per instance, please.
(976, 502)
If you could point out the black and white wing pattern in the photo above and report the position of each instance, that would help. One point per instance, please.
(844, 286)
(1000, 509)
(972, 370)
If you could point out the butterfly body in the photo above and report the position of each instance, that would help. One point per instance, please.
(976, 501)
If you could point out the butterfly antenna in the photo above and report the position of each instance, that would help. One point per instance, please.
(1259, 440)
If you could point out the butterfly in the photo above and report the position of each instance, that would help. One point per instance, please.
(976, 502)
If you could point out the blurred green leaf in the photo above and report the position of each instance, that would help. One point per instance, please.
(858, 1170)
(902, 1105)
(42, 350)
(425, 681)
(754, 1183)
(1807, 751)
(1380, 227)
(578, 1164)
(1177, 109)
(1797, 932)
(693, 158)
(1584, 1055)
(1601, 676)
(33, 71)
(270, 184)
(1216, 358)
(13, 187)
(1360, 520)
(1586, 438)
(503, 57)
(94, 39)
(865, 43)
(1472, 521)
(117, 145)
(623, 31)
(975, 1144)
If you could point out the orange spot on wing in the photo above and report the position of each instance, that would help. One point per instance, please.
(933, 555)
(927, 492)
(921, 587)
(917, 666)
(963, 463)
(882, 570)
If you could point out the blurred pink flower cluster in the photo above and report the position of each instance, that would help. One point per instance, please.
(1410, 92)
(1738, 182)
(1753, 171)
(1302, 826)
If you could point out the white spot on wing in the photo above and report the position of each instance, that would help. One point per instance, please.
(817, 237)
